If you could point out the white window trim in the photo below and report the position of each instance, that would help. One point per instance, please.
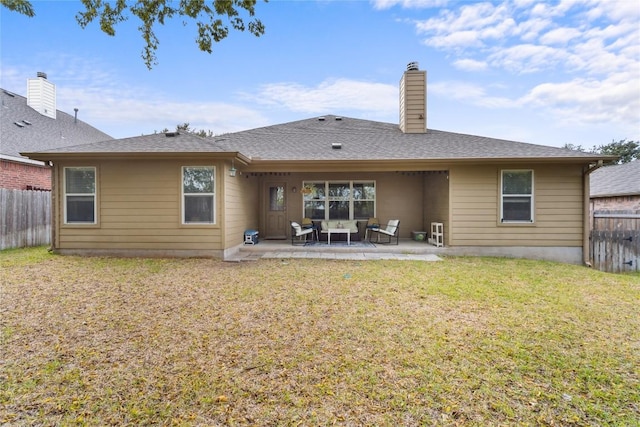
(531, 196)
(326, 200)
(94, 194)
(183, 195)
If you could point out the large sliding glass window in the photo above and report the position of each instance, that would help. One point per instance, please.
(80, 195)
(517, 196)
(198, 195)
(331, 200)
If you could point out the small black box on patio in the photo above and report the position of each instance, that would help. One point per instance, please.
(250, 237)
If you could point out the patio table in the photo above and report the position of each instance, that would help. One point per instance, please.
(337, 231)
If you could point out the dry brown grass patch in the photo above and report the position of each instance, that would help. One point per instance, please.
(101, 341)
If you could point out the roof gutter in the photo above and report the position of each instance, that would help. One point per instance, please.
(586, 211)
(238, 157)
(390, 165)
(22, 160)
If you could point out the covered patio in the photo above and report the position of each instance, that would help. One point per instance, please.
(407, 249)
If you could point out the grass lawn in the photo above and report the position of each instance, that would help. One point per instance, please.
(466, 341)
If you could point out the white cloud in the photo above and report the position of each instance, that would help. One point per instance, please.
(476, 25)
(330, 96)
(529, 30)
(581, 57)
(521, 38)
(560, 36)
(467, 27)
(527, 58)
(467, 64)
(407, 4)
(454, 40)
(116, 109)
(615, 99)
(122, 110)
(470, 93)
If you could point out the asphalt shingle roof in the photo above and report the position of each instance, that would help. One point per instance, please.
(171, 142)
(43, 133)
(313, 140)
(616, 180)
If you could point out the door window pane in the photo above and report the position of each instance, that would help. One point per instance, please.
(276, 198)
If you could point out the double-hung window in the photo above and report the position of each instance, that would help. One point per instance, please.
(80, 195)
(333, 200)
(516, 196)
(198, 195)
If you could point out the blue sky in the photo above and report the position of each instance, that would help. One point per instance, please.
(547, 73)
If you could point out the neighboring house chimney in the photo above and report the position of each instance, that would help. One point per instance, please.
(413, 100)
(41, 95)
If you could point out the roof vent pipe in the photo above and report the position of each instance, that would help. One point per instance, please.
(413, 66)
(75, 118)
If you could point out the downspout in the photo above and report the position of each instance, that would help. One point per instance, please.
(586, 213)
(54, 206)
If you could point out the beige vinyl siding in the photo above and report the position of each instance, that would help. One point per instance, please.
(475, 207)
(399, 196)
(436, 201)
(241, 206)
(139, 208)
(413, 90)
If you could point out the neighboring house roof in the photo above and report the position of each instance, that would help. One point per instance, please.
(313, 140)
(616, 180)
(35, 132)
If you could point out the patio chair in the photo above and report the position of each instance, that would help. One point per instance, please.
(308, 223)
(297, 233)
(391, 231)
(372, 224)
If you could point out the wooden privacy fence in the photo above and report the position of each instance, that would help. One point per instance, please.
(25, 218)
(615, 241)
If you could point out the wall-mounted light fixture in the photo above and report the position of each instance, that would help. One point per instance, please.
(294, 189)
(233, 170)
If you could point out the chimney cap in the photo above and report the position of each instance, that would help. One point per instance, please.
(413, 66)
(42, 74)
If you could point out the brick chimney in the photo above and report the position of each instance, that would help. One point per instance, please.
(413, 100)
(41, 95)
